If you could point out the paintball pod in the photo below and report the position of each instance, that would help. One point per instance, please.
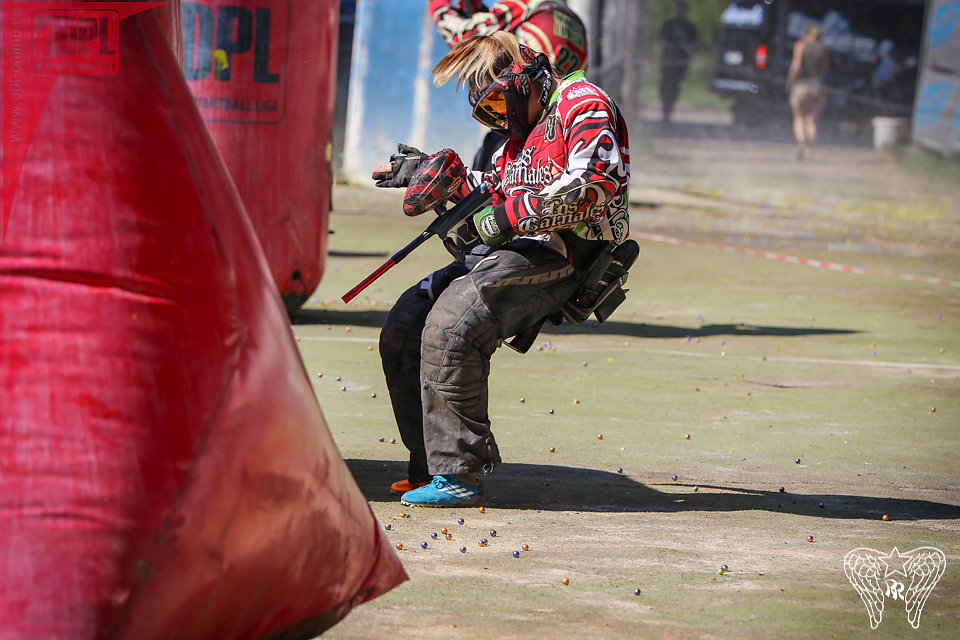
(601, 292)
(445, 222)
(602, 287)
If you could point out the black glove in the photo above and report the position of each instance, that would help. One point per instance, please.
(400, 169)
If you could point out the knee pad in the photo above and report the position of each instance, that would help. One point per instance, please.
(459, 326)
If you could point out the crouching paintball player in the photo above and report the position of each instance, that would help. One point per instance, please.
(549, 242)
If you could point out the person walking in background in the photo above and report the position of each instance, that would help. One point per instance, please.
(807, 88)
(678, 39)
(544, 26)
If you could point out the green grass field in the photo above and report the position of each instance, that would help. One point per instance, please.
(843, 389)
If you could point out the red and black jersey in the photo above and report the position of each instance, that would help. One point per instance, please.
(570, 173)
(545, 26)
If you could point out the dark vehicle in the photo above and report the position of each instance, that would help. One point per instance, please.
(874, 48)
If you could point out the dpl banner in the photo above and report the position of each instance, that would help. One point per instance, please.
(263, 75)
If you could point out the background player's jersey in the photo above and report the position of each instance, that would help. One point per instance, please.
(545, 26)
(571, 172)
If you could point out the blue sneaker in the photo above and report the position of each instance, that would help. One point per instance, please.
(444, 491)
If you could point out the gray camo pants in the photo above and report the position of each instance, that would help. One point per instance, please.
(436, 345)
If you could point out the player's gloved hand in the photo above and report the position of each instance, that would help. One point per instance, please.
(439, 178)
(400, 169)
(492, 226)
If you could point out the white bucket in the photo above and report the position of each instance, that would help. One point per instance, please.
(889, 132)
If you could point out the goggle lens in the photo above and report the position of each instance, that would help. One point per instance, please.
(491, 110)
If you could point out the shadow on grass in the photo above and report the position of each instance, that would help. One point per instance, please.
(376, 317)
(356, 318)
(557, 488)
(334, 253)
(644, 330)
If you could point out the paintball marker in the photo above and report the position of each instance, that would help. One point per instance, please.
(445, 222)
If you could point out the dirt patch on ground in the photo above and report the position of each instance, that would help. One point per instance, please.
(841, 389)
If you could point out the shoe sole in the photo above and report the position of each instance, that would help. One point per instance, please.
(475, 501)
(400, 493)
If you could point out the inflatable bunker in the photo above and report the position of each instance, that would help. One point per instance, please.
(263, 75)
(165, 469)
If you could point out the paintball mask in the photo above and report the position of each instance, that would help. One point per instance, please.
(503, 106)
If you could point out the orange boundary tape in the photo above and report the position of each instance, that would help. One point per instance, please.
(780, 257)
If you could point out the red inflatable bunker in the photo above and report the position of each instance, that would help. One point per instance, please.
(263, 74)
(165, 470)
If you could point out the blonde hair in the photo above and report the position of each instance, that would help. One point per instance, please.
(477, 61)
(813, 33)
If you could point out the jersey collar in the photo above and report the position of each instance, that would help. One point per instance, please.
(573, 77)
